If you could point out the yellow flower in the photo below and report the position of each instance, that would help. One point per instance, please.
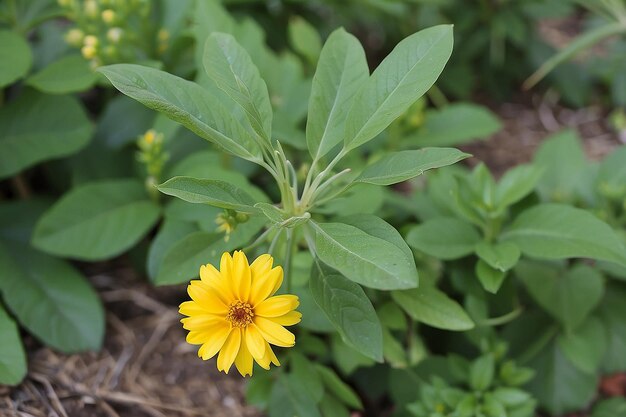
(234, 312)
(108, 16)
(88, 51)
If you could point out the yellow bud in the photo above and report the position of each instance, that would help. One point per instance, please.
(64, 3)
(163, 35)
(149, 136)
(88, 51)
(108, 16)
(91, 8)
(95, 63)
(115, 34)
(91, 40)
(74, 37)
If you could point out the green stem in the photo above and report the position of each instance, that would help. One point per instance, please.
(260, 239)
(500, 320)
(274, 241)
(291, 242)
(437, 97)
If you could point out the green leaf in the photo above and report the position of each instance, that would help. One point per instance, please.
(97, 220)
(564, 165)
(69, 74)
(403, 77)
(481, 373)
(456, 124)
(305, 373)
(516, 184)
(430, 306)
(341, 71)
(501, 256)
(204, 111)
(38, 127)
(586, 345)
(555, 231)
(12, 356)
(611, 407)
(444, 238)
(171, 231)
(567, 295)
(50, 299)
(511, 397)
(331, 407)
(490, 278)
(339, 389)
(289, 398)
(612, 173)
(350, 311)
(400, 166)
(15, 57)
(182, 261)
(231, 68)
(212, 192)
(560, 387)
(304, 39)
(369, 258)
(122, 120)
(612, 312)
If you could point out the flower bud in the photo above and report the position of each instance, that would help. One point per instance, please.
(91, 40)
(89, 51)
(108, 16)
(91, 8)
(75, 37)
(115, 34)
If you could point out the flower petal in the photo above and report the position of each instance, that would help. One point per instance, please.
(241, 279)
(191, 308)
(265, 284)
(201, 321)
(277, 306)
(206, 296)
(215, 342)
(274, 332)
(268, 358)
(229, 351)
(289, 319)
(255, 342)
(243, 361)
(214, 279)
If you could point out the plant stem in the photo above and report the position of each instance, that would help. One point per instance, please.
(291, 242)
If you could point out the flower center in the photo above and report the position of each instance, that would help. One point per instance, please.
(240, 314)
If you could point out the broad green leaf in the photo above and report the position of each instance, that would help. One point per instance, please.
(50, 299)
(97, 220)
(332, 407)
(559, 386)
(342, 69)
(444, 238)
(567, 295)
(554, 231)
(67, 75)
(501, 256)
(455, 124)
(38, 127)
(212, 192)
(208, 114)
(586, 345)
(183, 260)
(228, 64)
(403, 77)
(612, 311)
(564, 165)
(357, 199)
(400, 166)
(171, 231)
(430, 306)
(611, 407)
(12, 356)
(516, 184)
(15, 57)
(490, 278)
(289, 398)
(305, 373)
(363, 257)
(481, 373)
(122, 121)
(612, 174)
(338, 388)
(350, 311)
(304, 39)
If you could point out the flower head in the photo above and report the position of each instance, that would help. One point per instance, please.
(235, 313)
